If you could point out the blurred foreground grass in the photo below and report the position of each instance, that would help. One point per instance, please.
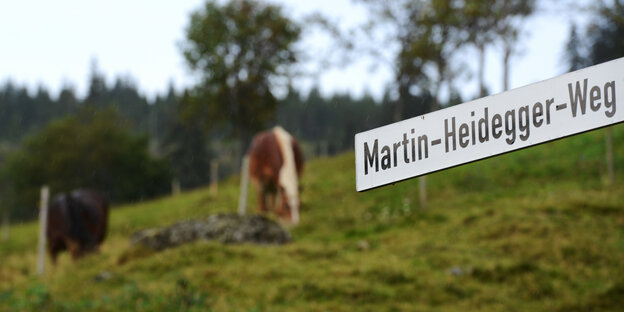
(535, 230)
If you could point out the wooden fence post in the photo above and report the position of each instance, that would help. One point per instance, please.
(175, 187)
(214, 177)
(242, 201)
(324, 148)
(6, 224)
(610, 166)
(422, 183)
(43, 223)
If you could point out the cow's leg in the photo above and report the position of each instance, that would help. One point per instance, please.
(262, 198)
(74, 248)
(279, 204)
(282, 203)
(56, 244)
(270, 201)
(54, 255)
(260, 189)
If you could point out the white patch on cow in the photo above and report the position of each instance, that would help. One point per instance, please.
(288, 172)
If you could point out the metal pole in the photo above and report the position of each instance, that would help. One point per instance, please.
(43, 223)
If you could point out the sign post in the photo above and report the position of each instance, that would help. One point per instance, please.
(545, 111)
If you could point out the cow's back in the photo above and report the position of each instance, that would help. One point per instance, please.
(94, 208)
(265, 158)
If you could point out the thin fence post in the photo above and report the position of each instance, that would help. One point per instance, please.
(175, 187)
(6, 224)
(242, 201)
(43, 223)
(214, 177)
(324, 148)
(610, 166)
(422, 183)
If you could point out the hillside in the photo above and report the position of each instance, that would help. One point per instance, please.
(534, 230)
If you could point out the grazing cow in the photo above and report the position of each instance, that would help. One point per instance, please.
(76, 222)
(275, 165)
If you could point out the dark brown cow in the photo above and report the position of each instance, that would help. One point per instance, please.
(76, 222)
(275, 165)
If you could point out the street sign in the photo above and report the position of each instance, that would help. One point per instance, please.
(541, 112)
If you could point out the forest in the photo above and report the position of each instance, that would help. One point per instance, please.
(117, 140)
(537, 229)
(175, 147)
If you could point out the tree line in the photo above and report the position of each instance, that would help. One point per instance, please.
(117, 140)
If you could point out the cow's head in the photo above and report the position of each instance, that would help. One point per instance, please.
(290, 200)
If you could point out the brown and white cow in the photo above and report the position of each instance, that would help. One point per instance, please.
(275, 165)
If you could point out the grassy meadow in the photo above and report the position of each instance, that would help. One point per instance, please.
(535, 230)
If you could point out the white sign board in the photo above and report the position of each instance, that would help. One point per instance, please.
(552, 109)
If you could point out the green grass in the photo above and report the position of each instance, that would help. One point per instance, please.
(535, 230)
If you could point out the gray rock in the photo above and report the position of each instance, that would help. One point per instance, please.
(103, 276)
(363, 245)
(225, 228)
(459, 271)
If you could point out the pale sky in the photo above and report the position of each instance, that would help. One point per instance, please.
(52, 43)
